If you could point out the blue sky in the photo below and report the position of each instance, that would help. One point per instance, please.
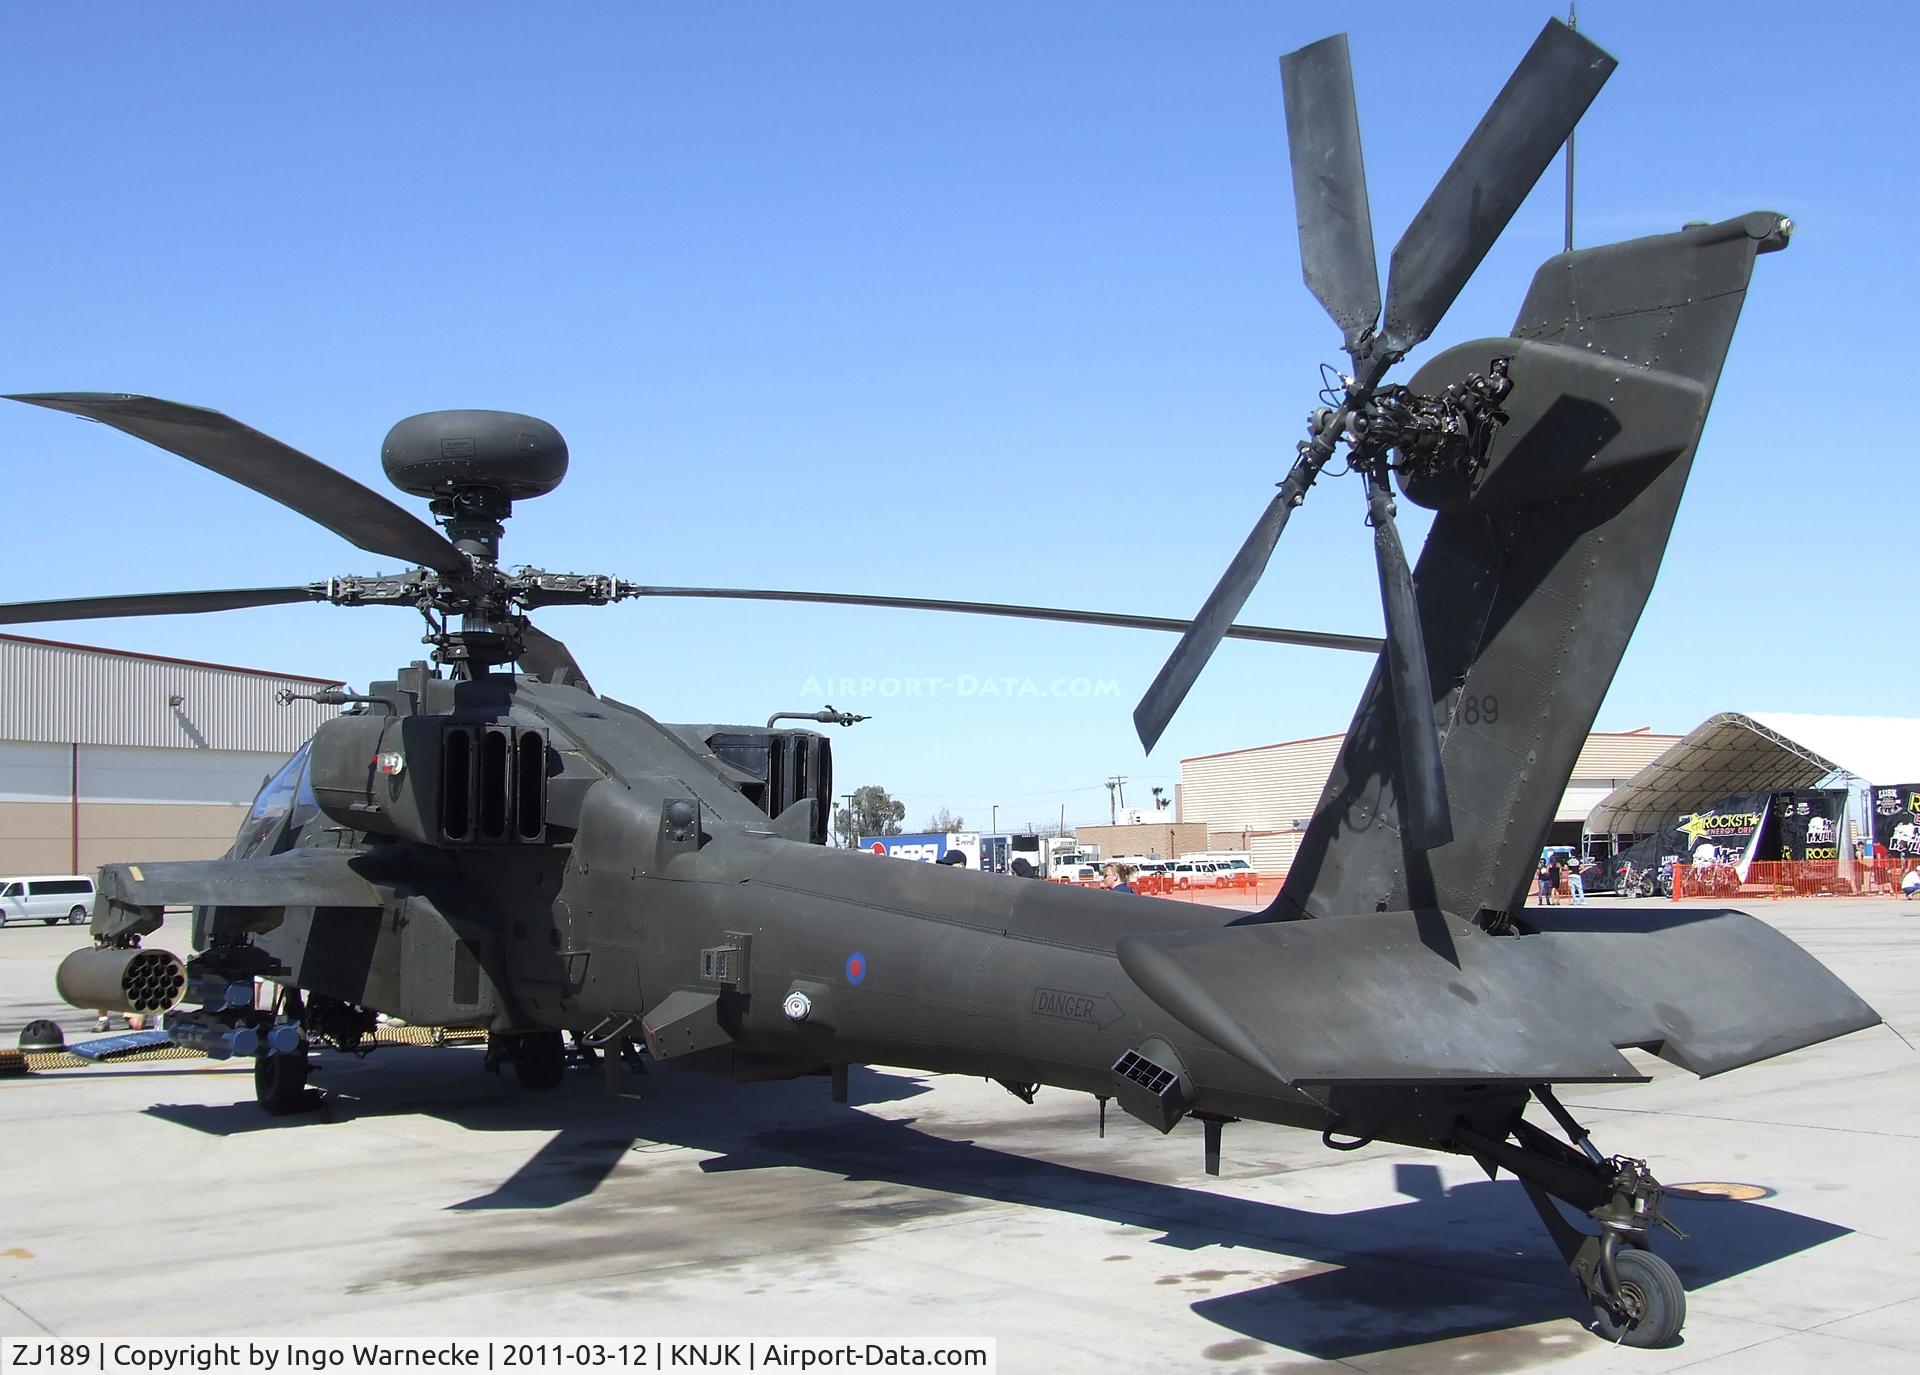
(984, 301)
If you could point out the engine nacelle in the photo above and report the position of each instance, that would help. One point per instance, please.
(434, 779)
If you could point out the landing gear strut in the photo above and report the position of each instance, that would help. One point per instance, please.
(1637, 1298)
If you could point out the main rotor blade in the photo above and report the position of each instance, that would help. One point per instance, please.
(1214, 623)
(1316, 639)
(1495, 169)
(325, 495)
(1330, 186)
(544, 657)
(1423, 790)
(157, 604)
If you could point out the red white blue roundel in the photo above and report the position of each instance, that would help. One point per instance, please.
(856, 967)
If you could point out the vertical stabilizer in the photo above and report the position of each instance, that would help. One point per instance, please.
(1537, 568)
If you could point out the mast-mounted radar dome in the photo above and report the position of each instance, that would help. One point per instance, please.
(440, 453)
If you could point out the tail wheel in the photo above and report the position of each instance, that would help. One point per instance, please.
(542, 1061)
(280, 1082)
(1653, 1300)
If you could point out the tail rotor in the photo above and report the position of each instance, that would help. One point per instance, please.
(1447, 240)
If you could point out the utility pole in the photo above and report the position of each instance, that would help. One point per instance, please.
(1116, 784)
(853, 823)
(1113, 815)
(994, 828)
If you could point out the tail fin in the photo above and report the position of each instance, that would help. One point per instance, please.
(1536, 571)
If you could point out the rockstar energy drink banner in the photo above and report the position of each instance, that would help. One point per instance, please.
(1731, 826)
(1810, 822)
(1896, 819)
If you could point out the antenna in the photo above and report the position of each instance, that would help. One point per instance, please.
(1573, 22)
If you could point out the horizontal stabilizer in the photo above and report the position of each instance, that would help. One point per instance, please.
(1420, 997)
(1709, 991)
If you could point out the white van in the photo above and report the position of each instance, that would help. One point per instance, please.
(47, 897)
(1195, 873)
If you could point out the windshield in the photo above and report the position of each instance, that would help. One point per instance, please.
(279, 797)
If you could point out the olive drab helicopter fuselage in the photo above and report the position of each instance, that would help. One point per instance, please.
(467, 845)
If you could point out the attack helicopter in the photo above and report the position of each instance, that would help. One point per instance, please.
(471, 844)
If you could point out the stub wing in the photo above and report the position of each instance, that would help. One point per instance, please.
(1425, 998)
(132, 896)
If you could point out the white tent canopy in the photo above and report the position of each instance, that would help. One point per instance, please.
(1738, 752)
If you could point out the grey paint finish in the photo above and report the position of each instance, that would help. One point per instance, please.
(1418, 997)
(1529, 607)
(654, 887)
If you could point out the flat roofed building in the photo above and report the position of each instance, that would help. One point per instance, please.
(1269, 792)
(108, 756)
(1167, 839)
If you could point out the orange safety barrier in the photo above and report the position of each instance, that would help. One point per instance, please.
(1245, 891)
(1165, 885)
(1788, 878)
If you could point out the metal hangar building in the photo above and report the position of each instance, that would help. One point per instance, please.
(108, 756)
(1741, 752)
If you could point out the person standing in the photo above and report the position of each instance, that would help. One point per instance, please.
(1540, 884)
(1577, 881)
(1553, 878)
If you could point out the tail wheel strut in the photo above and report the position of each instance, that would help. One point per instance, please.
(1638, 1299)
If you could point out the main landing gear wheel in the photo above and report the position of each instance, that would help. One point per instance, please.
(1653, 1303)
(280, 1082)
(542, 1061)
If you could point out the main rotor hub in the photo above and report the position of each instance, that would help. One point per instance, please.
(443, 454)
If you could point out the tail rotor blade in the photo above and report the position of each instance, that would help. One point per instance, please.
(324, 495)
(1330, 186)
(1176, 677)
(1423, 790)
(1497, 166)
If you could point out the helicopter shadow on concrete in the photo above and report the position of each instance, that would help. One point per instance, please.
(1435, 1265)
(593, 1131)
(1441, 1264)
